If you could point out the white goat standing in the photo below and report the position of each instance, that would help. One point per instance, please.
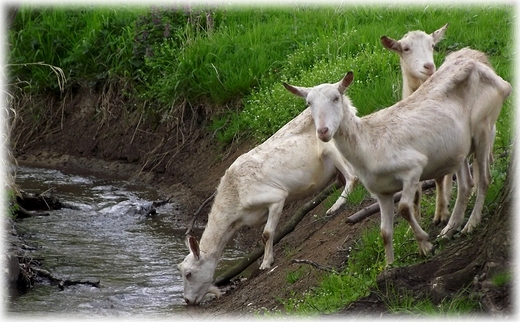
(456, 219)
(290, 165)
(415, 52)
(425, 136)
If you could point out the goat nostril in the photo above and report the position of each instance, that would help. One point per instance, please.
(187, 301)
(323, 130)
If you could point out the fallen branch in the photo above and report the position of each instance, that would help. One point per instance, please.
(190, 229)
(291, 224)
(38, 202)
(21, 213)
(61, 282)
(286, 229)
(148, 210)
(316, 265)
(374, 208)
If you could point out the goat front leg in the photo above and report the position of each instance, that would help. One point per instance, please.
(275, 212)
(350, 181)
(331, 152)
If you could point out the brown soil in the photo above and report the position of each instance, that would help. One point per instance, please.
(184, 162)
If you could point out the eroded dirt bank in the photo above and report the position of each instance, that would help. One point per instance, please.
(182, 160)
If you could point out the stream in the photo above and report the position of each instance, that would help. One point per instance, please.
(104, 237)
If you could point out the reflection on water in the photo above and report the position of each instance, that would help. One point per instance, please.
(134, 257)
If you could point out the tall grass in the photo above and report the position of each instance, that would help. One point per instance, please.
(355, 45)
(234, 59)
(86, 43)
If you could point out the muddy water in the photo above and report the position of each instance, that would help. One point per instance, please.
(104, 237)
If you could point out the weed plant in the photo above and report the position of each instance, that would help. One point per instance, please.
(461, 304)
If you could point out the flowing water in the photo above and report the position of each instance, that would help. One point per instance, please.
(103, 236)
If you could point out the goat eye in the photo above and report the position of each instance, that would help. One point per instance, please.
(406, 49)
(188, 275)
(336, 99)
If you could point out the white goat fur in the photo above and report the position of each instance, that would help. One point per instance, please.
(456, 221)
(415, 52)
(425, 136)
(292, 164)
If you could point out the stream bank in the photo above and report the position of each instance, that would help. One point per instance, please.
(185, 162)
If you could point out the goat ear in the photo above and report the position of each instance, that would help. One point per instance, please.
(296, 90)
(193, 245)
(345, 82)
(439, 34)
(391, 44)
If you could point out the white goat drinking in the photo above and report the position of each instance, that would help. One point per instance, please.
(290, 165)
(415, 52)
(427, 135)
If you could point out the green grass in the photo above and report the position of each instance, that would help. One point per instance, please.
(86, 43)
(502, 278)
(294, 275)
(365, 261)
(461, 304)
(231, 63)
(232, 60)
(355, 45)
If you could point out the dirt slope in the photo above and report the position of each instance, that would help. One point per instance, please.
(183, 162)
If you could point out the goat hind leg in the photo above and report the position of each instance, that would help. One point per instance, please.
(443, 187)
(483, 179)
(275, 212)
(409, 194)
(464, 186)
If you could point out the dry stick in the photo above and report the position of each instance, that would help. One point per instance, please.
(190, 229)
(289, 227)
(316, 265)
(374, 208)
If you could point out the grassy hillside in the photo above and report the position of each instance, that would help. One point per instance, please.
(225, 55)
(226, 64)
